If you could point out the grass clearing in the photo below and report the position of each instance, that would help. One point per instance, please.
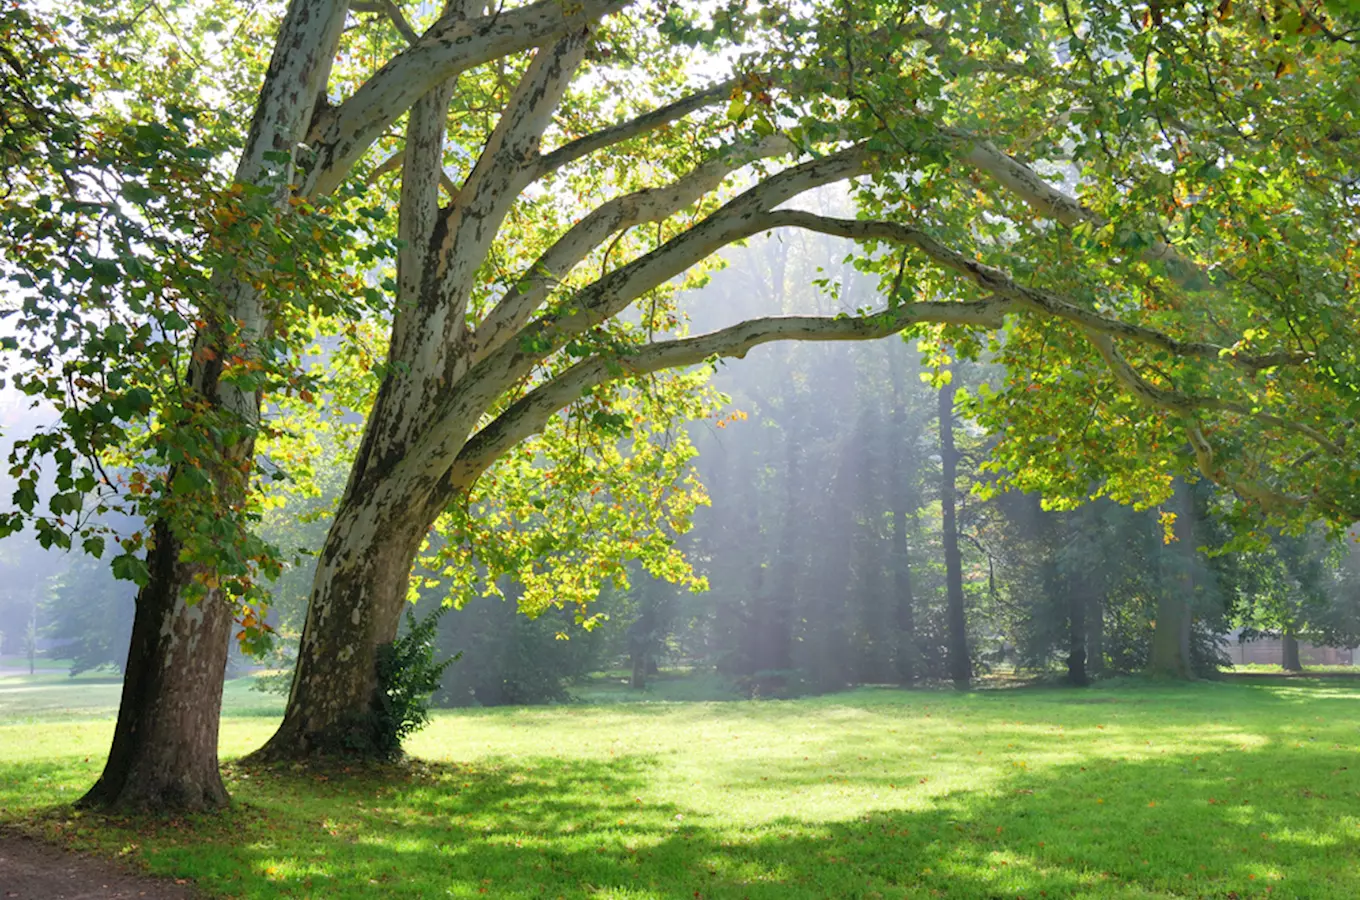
(40, 663)
(1207, 790)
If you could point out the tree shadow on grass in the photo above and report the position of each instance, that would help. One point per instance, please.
(1229, 824)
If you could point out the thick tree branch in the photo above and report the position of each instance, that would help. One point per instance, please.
(617, 134)
(479, 388)
(1052, 203)
(502, 171)
(393, 13)
(937, 39)
(340, 135)
(1186, 406)
(522, 301)
(1001, 284)
(418, 218)
(528, 415)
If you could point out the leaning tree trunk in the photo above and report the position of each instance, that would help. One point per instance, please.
(960, 665)
(164, 751)
(1290, 646)
(396, 491)
(358, 595)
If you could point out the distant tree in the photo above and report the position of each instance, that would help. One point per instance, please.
(653, 613)
(1301, 587)
(88, 615)
(31, 640)
(960, 662)
(506, 657)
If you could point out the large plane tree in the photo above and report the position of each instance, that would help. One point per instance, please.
(1147, 213)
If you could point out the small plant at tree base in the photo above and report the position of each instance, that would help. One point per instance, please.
(407, 676)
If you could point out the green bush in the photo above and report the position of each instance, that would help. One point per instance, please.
(407, 675)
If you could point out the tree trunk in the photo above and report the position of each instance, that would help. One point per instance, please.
(1290, 646)
(1171, 638)
(31, 640)
(1170, 657)
(642, 632)
(358, 595)
(164, 754)
(1095, 637)
(164, 751)
(1076, 631)
(960, 665)
(907, 656)
(774, 624)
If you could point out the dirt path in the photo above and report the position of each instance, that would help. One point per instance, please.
(32, 870)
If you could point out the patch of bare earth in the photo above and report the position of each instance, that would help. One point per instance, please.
(33, 870)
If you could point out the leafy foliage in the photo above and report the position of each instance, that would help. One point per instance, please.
(407, 675)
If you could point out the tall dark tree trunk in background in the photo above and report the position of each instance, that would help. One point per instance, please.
(874, 629)
(823, 648)
(1095, 636)
(31, 641)
(1290, 661)
(1077, 635)
(164, 751)
(907, 657)
(643, 634)
(960, 664)
(1171, 637)
(1170, 656)
(776, 620)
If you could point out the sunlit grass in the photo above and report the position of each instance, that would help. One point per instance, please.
(1206, 790)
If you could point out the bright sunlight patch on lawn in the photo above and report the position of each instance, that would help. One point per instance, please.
(1130, 791)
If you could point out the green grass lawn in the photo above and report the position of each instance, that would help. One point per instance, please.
(1270, 669)
(40, 663)
(1210, 790)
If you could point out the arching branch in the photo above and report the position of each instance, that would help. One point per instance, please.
(529, 414)
(1052, 203)
(647, 122)
(998, 282)
(521, 302)
(1185, 407)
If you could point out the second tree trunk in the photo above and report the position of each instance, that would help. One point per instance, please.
(960, 664)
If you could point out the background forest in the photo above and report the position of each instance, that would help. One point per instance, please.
(824, 548)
